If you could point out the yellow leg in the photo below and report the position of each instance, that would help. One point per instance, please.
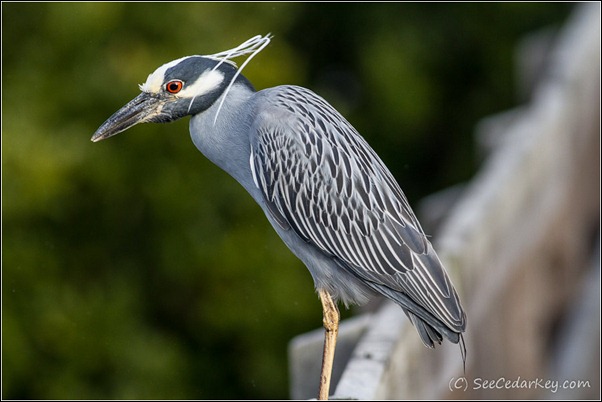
(331, 328)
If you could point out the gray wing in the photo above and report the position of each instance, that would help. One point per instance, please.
(321, 178)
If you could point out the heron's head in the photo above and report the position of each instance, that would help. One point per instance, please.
(180, 88)
(183, 87)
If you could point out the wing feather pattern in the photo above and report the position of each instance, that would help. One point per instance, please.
(320, 178)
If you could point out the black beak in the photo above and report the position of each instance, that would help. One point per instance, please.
(141, 109)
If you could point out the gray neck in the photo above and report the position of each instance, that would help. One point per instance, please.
(226, 143)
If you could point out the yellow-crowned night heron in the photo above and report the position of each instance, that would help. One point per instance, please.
(322, 187)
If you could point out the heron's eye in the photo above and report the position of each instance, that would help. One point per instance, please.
(173, 87)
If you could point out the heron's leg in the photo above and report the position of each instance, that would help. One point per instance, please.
(331, 328)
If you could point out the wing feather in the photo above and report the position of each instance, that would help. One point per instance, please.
(320, 175)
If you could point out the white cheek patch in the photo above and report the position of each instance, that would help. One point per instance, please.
(154, 82)
(207, 82)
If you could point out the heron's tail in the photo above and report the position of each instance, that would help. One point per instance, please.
(431, 329)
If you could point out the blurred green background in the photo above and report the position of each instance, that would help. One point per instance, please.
(134, 268)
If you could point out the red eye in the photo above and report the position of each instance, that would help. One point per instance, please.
(175, 86)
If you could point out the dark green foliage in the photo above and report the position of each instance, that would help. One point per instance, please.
(134, 268)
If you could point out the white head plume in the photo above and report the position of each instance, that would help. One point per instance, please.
(252, 46)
